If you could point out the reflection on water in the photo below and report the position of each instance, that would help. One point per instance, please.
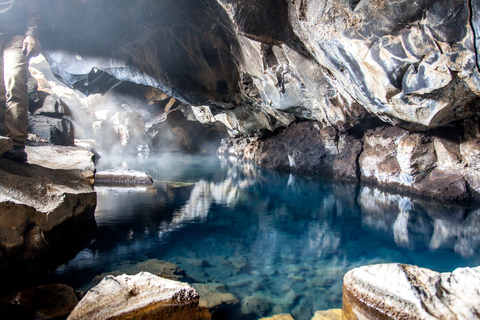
(280, 243)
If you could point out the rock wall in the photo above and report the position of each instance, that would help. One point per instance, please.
(438, 164)
(351, 68)
(258, 65)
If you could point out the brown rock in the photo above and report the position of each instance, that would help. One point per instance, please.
(43, 302)
(333, 314)
(279, 317)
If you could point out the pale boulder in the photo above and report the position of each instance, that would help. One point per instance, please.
(143, 296)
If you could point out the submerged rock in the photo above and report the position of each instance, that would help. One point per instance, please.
(143, 296)
(45, 199)
(279, 317)
(214, 297)
(398, 291)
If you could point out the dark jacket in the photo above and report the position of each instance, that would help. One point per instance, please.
(20, 17)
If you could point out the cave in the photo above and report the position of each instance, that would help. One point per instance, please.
(295, 154)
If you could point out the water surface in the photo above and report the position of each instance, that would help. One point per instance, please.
(280, 243)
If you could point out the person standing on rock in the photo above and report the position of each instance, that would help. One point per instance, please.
(19, 27)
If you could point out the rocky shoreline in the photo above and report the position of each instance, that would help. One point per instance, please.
(436, 164)
(44, 201)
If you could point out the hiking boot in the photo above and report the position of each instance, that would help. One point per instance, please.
(17, 154)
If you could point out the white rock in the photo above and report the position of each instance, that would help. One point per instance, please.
(398, 291)
(143, 296)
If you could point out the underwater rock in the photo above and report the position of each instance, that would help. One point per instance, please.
(52, 194)
(214, 297)
(139, 297)
(408, 292)
(122, 176)
(54, 301)
(332, 314)
(279, 317)
(255, 305)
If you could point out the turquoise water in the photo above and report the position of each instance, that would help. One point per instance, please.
(279, 243)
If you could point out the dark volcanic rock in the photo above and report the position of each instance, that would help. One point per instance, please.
(257, 65)
(182, 47)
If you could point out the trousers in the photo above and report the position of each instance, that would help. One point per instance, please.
(13, 90)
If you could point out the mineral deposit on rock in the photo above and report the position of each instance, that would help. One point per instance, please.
(143, 296)
(398, 291)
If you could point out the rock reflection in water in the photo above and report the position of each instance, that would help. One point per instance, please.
(280, 243)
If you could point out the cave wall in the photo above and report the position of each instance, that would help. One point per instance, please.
(260, 65)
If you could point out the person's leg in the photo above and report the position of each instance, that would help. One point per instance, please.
(15, 70)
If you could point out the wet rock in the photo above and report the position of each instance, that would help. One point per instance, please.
(53, 301)
(138, 297)
(157, 267)
(333, 314)
(52, 194)
(255, 305)
(214, 297)
(58, 131)
(279, 317)
(121, 176)
(410, 292)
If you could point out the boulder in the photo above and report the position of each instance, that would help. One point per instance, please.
(52, 106)
(52, 194)
(214, 297)
(58, 131)
(143, 296)
(54, 301)
(398, 291)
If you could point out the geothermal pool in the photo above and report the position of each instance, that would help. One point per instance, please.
(280, 243)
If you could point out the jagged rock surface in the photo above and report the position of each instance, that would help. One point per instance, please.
(259, 65)
(398, 291)
(143, 296)
(45, 199)
(436, 164)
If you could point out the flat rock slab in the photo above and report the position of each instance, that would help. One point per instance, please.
(121, 176)
(399, 291)
(143, 296)
(48, 192)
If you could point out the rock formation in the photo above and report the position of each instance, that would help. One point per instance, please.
(396, 291)
(43, 201)
(143, 296)
(335, 62)
(352, 68)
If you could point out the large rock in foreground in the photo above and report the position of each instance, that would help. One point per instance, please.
(143, 296)
(44, 200)
(398, 291)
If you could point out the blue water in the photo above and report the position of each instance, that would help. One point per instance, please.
(279, 243)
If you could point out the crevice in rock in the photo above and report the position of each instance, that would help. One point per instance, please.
(472, 25)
